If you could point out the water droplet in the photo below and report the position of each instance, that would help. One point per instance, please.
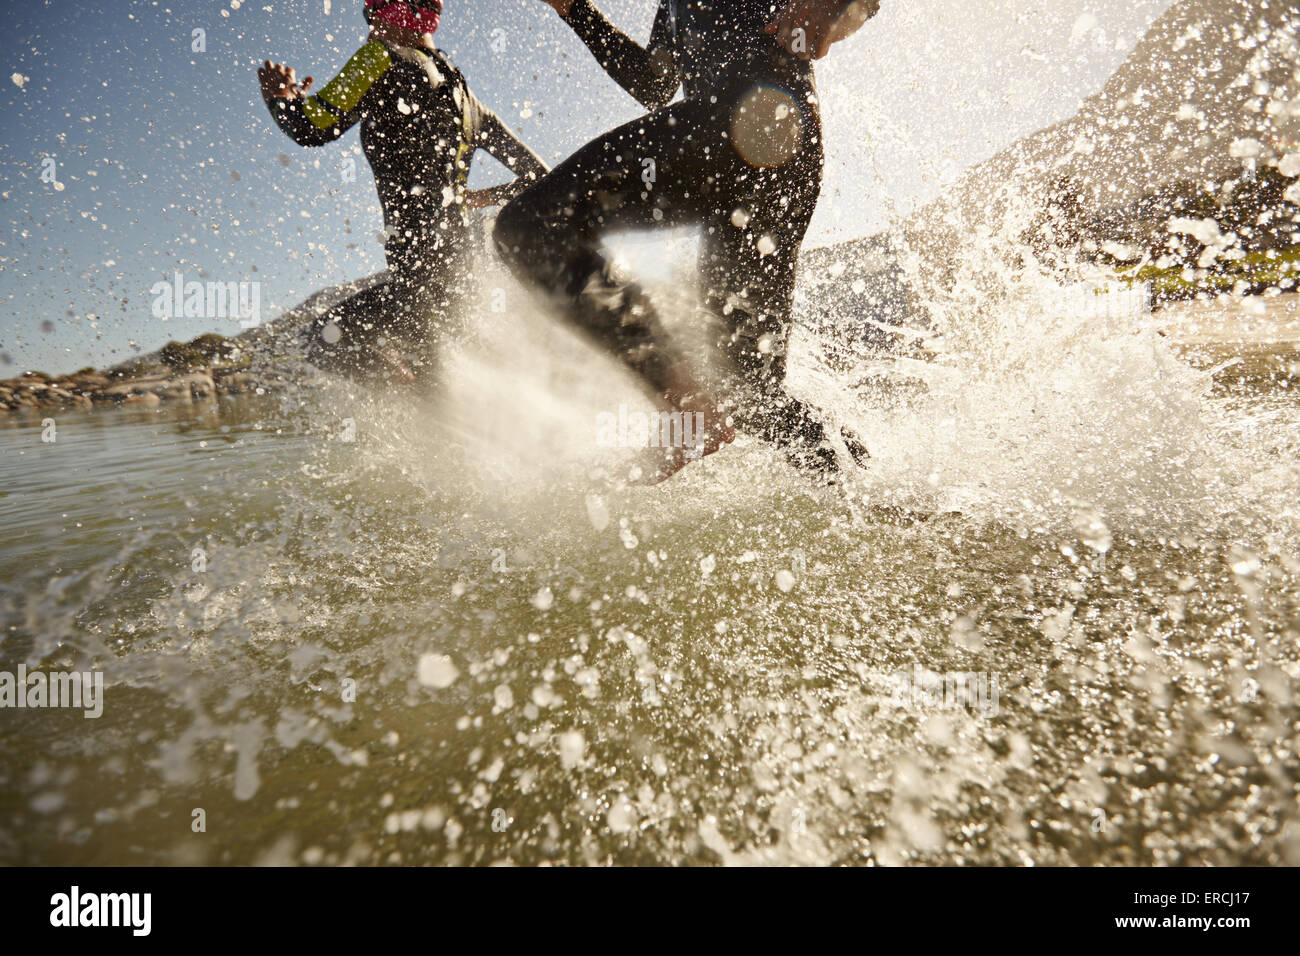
(437, 670)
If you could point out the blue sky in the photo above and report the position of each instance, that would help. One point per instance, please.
(168, 160)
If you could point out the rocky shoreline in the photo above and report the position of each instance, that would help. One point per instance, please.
(87, 388)
(205, 368)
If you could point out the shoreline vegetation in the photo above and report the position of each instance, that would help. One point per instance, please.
(1190, 239)
(1257, 272)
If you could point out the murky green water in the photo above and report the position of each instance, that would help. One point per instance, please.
(402, 649)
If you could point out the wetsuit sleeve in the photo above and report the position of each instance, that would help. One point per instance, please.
(493, 135)
(327, 115)
(649, 73)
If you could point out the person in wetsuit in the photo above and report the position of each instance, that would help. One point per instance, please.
(741, 156)
(420, 127)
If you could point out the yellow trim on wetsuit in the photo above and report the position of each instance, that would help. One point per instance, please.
(344, 92)
(465, 148)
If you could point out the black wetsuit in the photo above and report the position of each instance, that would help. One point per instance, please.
(420, 126)
(740, 156)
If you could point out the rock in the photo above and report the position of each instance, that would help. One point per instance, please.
(90, 379)
(139, 371)
(200, 384)
(143, 383)
(136, 386)
(176, 389)
(237, 382)
(186, 387)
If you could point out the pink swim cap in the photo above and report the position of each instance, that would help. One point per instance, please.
(422, 16)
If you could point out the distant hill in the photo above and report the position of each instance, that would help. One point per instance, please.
(1182, 167)
(1211, 84)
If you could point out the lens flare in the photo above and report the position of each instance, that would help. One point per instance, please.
(767, 127)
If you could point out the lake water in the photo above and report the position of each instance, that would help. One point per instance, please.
(339, 627)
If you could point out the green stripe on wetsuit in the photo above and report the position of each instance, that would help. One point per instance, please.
(344, 92)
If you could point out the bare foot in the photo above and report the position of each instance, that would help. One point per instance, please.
(716, 431)
(691, 398)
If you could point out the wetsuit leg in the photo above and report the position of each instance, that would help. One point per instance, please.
(342, 340)
(407, 311)
(755, 217)
(641, 175)
(748, 263)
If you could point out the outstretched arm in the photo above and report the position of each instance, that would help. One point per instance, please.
(323, 118)
(649, 73)
(807, 28)
(494, 136)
